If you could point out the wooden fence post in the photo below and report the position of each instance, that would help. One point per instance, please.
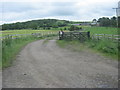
(70, 36)
(88, 34)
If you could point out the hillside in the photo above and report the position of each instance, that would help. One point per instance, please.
(36, 24)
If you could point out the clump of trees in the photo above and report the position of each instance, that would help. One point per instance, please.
(107, 22)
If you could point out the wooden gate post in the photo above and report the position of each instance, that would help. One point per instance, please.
(59, 36)
(88, 34)
(70, 36)
(80, 37)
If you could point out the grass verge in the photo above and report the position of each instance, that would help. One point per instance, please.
(11, 47)
(103, 47)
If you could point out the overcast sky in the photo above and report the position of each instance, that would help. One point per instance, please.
(75, 10)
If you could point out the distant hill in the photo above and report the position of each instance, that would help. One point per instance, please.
(37, 24)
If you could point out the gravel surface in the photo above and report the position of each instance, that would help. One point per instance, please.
(42, 64)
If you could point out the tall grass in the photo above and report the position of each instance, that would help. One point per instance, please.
(10, 47)
(105, 46)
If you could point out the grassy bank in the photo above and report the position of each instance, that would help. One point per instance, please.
(104, 47)
(11, 47)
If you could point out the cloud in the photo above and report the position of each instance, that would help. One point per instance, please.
(64, 8)
(21, 10)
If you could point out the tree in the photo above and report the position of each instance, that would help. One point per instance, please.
(104, 22)
(94, 20)
(65, 28)
(113, 21)
(72, 28)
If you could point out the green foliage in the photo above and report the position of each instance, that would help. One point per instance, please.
(104, 45)
(108, 22)
(73, 28)
(104, 21)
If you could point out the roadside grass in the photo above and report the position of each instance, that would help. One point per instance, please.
(103, 47)
(106, 47)
(11, 47)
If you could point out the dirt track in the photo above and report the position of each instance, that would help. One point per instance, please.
(42, 64)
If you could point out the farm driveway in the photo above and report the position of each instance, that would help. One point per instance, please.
(42, 64)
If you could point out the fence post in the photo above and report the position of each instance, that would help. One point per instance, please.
(79, 36)
(70, 36)
(112, 37)
(104, 36)
(88, 34)
(59, 35)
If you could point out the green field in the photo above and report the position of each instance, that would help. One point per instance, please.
(11, 32)
(93, 30)
(101, 30)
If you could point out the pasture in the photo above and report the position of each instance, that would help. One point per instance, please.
(102, 30)
(93, 30)
(25, 31)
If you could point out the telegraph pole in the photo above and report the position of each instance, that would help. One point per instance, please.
(118, 14)
(116, 9)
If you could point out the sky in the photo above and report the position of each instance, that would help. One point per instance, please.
(73, 10)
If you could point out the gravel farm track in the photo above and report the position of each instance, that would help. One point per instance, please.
(43, 64)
